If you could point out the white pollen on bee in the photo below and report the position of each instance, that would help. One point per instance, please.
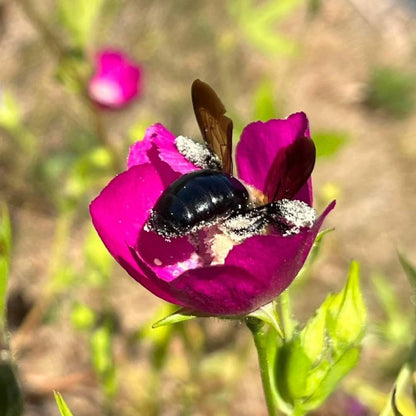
(197, 153)
(297, 215)
(157, 262)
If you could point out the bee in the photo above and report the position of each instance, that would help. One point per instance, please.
(213, 196)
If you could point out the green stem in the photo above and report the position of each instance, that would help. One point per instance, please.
(102, 136)
(260, 340)
(286, 314)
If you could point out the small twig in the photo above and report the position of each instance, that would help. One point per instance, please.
(35, 315)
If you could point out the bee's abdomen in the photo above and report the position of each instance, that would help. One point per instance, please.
(197, 199)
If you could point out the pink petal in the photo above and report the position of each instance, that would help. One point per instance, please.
(164, 141)
(260, 143)
(254, 273)
(275, 260)
(116, 81)
(167, 259)
(119, 213)
(219, 290)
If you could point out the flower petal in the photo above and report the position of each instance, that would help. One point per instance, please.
(168, 259)
(118, 215)
(219, 290)
(164, 141)
(275, 260)
(261, 142)
(290, 170)
(116, 81)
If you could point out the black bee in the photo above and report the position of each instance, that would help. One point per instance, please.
(212, 196)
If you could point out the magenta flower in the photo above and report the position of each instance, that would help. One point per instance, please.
(207, 275)
(116, 81)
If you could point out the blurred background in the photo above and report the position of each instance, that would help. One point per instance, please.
(77, 322)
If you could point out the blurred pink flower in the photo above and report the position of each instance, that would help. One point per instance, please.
(116, 81)
(190, 273)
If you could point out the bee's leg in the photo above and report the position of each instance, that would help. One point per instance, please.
(287, 216)
(246, 224)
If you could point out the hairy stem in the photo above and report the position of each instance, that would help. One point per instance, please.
(260, 341)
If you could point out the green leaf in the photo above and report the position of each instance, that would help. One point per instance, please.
(409, 269)
(179, 316)
(329, 143)
(63, 407)
(347, 315)
(79, 17)
(5, 247)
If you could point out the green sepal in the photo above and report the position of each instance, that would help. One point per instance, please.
(63, 407)
(268, 314)
(294, 365)
(336, 371)
(310, 364)
(347, 315)
(180, 315)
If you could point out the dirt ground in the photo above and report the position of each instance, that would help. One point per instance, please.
(177, 42)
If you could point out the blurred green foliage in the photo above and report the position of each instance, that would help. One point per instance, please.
(11, 121)
(79, 17)
(264, 102)
(101, 343)
(395, 326)
(82, 317)
(329, 143)
(391, 90)
(257, 23)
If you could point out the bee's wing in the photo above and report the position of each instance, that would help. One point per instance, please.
(216, 128)
(290, 170)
